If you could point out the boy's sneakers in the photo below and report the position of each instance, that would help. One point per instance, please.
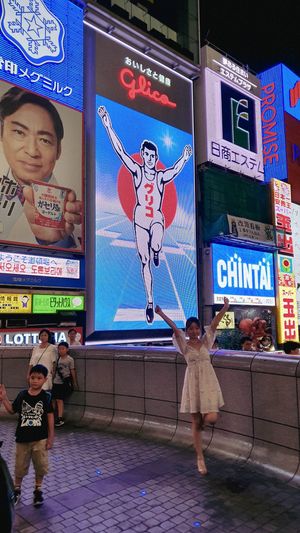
(17, 496)
(38, 499)
(59, 422)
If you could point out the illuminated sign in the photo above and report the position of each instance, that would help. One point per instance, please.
(51, 271)
(296, 239)
(229, 70)
(282, 213)
(140, 86)
(144, 220)
(15, 303)
(227, 321)
(291, 92)
(242, 275)
(286, 308)
(52, 303)
(250, 230)
(292, 129)
(233, 127)
(30, 336)
(35, 211)
(37, 42)
(272, 118)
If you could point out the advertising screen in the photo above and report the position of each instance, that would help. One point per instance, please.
(273, 127)
(233, 127)
(244, 276)
(144, 193)
(53, 303)
(296, 239)
(41, 185)
(41, 45)
(30, 336)
(15, 303)
(42, 271)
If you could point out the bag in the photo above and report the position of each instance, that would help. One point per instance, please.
(68, 384)
(7, 511)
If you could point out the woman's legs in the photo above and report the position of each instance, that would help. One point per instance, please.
(197, 440)
(210, 418)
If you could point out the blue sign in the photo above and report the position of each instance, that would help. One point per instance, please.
(291, 92)
(41, 45)
(245, 276)
(273, 128)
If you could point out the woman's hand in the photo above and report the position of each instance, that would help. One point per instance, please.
(226, 303)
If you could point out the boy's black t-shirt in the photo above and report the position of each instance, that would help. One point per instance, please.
(33, 419)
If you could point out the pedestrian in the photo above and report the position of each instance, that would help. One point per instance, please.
(72, 337)
(35, 430)
(201, 393)
(291, 347)
(45, 354)
(65, 380)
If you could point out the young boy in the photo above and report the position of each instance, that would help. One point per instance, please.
(35, 430)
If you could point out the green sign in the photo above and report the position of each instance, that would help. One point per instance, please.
(52, 303)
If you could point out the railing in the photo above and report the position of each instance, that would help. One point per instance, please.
(138, 390)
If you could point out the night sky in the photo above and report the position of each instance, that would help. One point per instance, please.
(258, 33)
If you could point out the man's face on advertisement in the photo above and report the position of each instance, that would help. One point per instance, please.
(30, 144)
(149, 157)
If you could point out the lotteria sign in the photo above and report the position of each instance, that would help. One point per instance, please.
(245, 276)
(41, 45)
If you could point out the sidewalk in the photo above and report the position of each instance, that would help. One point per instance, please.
(107, 482)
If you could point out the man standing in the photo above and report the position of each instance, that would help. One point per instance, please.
(31, 135)
(149, 184)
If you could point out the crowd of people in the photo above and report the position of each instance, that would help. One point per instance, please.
(51, 379)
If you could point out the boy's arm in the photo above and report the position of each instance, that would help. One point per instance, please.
(3, 397)
(74, 377)
(50, 439)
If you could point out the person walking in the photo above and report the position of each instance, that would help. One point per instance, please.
(201, 393)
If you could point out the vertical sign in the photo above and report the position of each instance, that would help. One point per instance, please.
(287, 319)
(144, 201)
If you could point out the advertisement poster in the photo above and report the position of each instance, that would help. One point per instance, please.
(30, 336)
(145, 203)
(41, 186)
(243, 275)
(296, 239)
(258, 323)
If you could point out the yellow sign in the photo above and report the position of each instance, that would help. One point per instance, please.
(15, 303)
(227, 321)
(287, 322)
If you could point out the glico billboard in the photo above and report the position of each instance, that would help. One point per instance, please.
(41, 160)
(144, 201)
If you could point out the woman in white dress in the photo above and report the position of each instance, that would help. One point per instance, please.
(201, 393)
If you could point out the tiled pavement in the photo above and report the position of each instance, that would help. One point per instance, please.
(100, 481)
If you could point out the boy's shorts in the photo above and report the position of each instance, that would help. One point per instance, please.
(25, 451)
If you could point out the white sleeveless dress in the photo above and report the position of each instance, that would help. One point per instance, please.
(201, 391)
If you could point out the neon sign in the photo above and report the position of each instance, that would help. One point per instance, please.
(295, 94)
(143, 87)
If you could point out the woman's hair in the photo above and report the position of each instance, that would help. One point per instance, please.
(63, 343)
(46, 331)
(191, 320)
